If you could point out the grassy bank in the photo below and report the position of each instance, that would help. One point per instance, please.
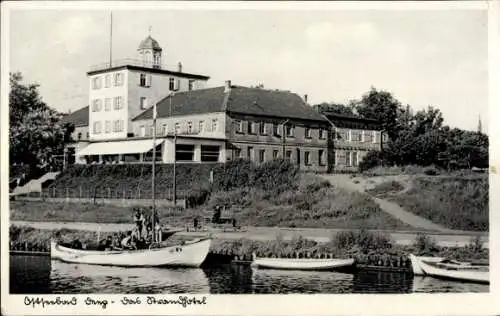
(359, 244)
(455, 202)
(271, 194)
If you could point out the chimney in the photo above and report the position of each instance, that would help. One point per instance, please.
(305, 98)
(227, 86)
(179, 67)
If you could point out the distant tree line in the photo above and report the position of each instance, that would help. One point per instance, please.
(418, 138)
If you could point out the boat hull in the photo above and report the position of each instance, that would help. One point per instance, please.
(189, 255)
(301, 264)
(467, 275)
(416, 266)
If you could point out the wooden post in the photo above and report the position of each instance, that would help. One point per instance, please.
(109, 193)
(80, 190)
(138, 193)
(123, 195)
(67, 195)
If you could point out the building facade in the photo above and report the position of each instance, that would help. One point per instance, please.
(202, 125)
(352, 138)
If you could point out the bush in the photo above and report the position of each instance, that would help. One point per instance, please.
(371, 160)
(362, 239)
(431, 171)
(424, 244)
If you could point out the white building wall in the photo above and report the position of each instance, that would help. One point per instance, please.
(208, 130)
(158, 89)
(112, 115)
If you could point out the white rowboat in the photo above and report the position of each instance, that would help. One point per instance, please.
(301, 264)
(459, 274)
(191, 254)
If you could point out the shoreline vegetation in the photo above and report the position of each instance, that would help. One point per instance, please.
(358, 244)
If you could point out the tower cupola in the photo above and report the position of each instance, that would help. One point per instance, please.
(150, 52)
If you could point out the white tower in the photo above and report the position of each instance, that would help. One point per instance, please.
(150, 52)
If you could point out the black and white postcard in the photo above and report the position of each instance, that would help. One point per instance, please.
(256, 158)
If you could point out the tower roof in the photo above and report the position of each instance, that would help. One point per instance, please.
(149, 43)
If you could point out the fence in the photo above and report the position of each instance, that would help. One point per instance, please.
(111, 193)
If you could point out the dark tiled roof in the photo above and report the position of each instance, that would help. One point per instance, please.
(78, 118)
(261, 102)
(149, 42)
(188, 102)
(241, 100)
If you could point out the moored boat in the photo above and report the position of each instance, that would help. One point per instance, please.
(459, 272)
(301, 263)
(190, 254)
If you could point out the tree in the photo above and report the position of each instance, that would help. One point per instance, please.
(337, 108)
(383, 107)
(36, 131)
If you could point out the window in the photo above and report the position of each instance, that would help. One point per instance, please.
(142, 130)
(118, 103)
(79, 136)
(190, 85)
(250, 153)
(118, 126)
(362, 136)
(289, 130)
(171, 84)
(177, 128)
(96, 105)
(201, 126)
(214, 125)
(164, 129)
(96, 83)
(308, 132)
(189, 127)
(288, 154)
(262, 155)
(275, 154)
(354, 158)
(322, 133)
(107, 81)
(307, 157)
(97, 127)
(349, 135)
(251, 128)
(374, 137)
(262, 128)
(108, 127)
(239, 126)
(320, 157)
(118, 79)
(356, 136)
(107, 104)
(348, 158)
(87, 135)
(151, 130)
(276, 131)
(144, 103)
(237, 153)
(297, 156)
(184, 152)
(210, 153)
(142, 80)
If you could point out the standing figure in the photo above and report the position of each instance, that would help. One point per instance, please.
(139, 220)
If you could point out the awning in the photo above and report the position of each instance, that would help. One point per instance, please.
(119, 147)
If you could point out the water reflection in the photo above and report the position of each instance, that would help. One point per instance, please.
(32, 274)
(82, 278)
(306, 282)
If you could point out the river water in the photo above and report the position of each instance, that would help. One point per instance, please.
(38, 274)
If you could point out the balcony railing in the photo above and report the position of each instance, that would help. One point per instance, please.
(129, 62)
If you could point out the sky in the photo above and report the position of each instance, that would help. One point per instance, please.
(425, 58)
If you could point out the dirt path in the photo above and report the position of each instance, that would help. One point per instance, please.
(362, 184)
(265, 233)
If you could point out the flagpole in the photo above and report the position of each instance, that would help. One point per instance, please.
(111, 40)
(153, 172)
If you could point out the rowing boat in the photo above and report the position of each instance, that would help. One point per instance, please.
(460, 272)
(190, 254)
(301, 263)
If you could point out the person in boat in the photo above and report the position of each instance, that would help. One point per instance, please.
(139, 220)
(105, 243)
(115, 245)
(127, 242)
(76, 244)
